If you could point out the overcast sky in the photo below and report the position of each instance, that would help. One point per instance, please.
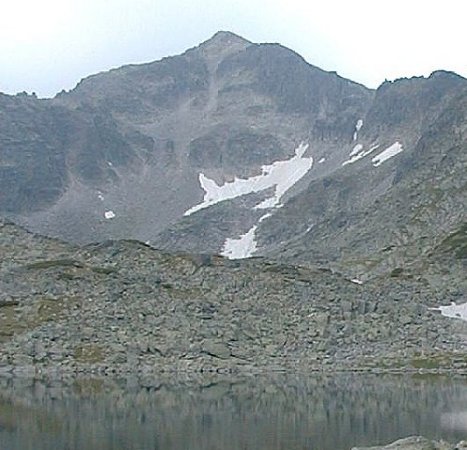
(49, 45)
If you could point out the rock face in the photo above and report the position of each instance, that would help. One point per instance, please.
(120, 307)
(133, 153)
(134, 140)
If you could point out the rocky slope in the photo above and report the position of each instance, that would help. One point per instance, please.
(245, 150)
(371, 220)
(198, 152)
(123, 306)
(134, 140)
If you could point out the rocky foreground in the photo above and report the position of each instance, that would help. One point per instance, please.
(417, 443)
(121, 307)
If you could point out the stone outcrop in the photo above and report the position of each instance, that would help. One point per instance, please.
(417, 443)
(122, 307)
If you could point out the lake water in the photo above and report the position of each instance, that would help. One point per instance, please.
(280, 412)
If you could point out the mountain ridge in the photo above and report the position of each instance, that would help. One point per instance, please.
(122, 154)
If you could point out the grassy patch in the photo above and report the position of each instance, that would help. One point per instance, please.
(54, 263)
(103, 270)
(456, 243)
(14, 320)
(89, 353)
(47, 311)
(397, 272)
(10, 322)
(428, 362)
(444, 361)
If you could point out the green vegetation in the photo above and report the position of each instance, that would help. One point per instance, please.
(14, 320)
(103, 270)
(54, 263)
(397, 272)
(89, 353)
(443, 361)
(456, 243)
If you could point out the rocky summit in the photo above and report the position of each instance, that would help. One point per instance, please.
(234, 208)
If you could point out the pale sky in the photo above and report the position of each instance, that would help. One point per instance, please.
(49, 45)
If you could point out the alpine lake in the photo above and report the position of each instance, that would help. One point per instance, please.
(214, 411)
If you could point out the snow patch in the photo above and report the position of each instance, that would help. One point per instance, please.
(100, 196)
(356, 281)
(245, 245)
(267, 203)
(356, 150)
(281, 174)
(321, 160)
(109, 214)
(358, 127)
(358, 153)
(391, 151)
(264, 217)
(109, 163)
(240, 248)
(453, 310)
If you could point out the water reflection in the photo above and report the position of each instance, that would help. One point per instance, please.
(274, 413)
(455, 421)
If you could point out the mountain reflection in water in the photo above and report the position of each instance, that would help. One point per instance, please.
(219, 412)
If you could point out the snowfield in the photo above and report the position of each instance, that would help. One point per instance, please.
(453, 310)
(390, 152)
(280, 175)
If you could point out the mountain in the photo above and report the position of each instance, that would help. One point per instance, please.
(246, 149)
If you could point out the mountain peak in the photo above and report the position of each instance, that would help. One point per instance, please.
(222, 44)
(225, 38)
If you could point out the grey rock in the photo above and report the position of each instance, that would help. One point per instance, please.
(217, 349)
(412, 443)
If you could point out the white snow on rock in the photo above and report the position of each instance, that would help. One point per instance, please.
(100, 196)
(245, 245)
(391, 151)
(270, 202)
(240, 248)
(264, 217)
(358, 153)
(358, 127)
(281, 174)
(453, 310)
(321, 160)
(109, 214)
(357, 149)
(356, 281)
